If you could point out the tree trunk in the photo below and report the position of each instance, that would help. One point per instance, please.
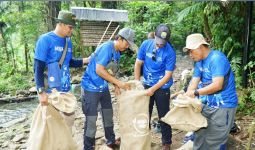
(92, 4)
(26, 55)
(13, 56)
(106, 4)
(4, 42)
(207, 29)
(53, 8)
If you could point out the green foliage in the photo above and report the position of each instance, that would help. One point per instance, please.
(246, 101)
(15, 82)
(127, 62)
(249, 67)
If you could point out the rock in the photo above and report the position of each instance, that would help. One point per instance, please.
(22, 93)
(80, 116)
(5, 144)
(104, 147)
(76, 79)
(13, 122)
(13, 146)
(76, 89)
(99, 134)
(132, 78)
(23, 146)
(32, 90)
(18, 137)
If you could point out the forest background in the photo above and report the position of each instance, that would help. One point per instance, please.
(222, 23)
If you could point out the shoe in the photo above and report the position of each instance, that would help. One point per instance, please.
(156, 127)
(235, 129)
(116, 144)
(188, 136)
(166, 147)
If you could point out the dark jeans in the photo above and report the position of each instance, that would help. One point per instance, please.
(90, 103)
(162, 99)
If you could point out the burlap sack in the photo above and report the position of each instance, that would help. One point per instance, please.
(63, 101)
(134, 118)
(49, 131)
(186, 146)
(186, 116)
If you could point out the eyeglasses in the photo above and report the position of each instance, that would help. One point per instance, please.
(153, 57)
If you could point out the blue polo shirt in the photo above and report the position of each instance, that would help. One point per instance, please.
(154, 70)
(216, 64)
(49, 49)
(103, 55)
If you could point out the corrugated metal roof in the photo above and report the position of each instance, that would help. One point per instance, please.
(96, 14)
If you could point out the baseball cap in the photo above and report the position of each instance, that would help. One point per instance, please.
(129, 35)
(66, 17)
(193, 41)
(162, 34)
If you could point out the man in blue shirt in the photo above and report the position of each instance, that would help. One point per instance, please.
(216, 82)
(95, 87)
(158, 59)
(48, 51)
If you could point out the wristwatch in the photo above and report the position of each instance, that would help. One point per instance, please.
(40, 90)
(196, 93)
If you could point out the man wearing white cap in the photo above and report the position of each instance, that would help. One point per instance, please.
(156, 57)
(216, 82)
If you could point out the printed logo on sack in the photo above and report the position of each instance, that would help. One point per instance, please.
(141, 125)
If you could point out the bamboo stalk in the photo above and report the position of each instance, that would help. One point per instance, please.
(251, 130)
(104, 33)
(114, 32)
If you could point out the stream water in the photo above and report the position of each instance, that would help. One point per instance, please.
(12, 111)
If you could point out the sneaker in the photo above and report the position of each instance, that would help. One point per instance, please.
(234, 129)
(156, 127)
(189, 136)
(114, 145)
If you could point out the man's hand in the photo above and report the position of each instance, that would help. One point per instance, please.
(190, 93)
(176, 94)
(150, 91)
(125, 86)
(43, 97)
(117, 90)
(86, 60)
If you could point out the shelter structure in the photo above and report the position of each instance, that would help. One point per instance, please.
(98, 25)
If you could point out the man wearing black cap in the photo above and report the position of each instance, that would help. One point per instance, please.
(95, 87)
(158, 58)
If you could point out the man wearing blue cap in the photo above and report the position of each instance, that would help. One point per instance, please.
(95, 87)
(158, 59)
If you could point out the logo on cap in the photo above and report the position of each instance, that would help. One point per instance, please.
(163, 35)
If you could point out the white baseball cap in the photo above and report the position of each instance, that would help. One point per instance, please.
(193, 41)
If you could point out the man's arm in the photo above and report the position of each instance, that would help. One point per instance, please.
(79, 62)
(215, 86)
(161, 82)
(102, 72)
(138, 67)
(39, 80)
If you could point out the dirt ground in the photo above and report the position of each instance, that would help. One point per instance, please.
(14, 137)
